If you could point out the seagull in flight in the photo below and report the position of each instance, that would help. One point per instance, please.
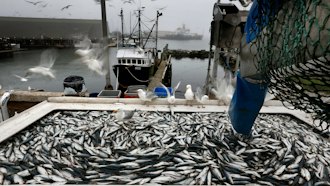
(170, 98)
(223, 90)
(128, 1)
(93, 57)
(66, 7)
(146, 96)
(47, 60)
(21, 78)
(34, 3)
(86, 47)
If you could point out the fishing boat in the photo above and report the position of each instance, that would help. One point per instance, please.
(134, 66)
(181, 33)
(137, 62)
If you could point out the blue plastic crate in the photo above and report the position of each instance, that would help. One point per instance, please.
(161, 92)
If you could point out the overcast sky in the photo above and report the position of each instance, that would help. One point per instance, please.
(195, 14)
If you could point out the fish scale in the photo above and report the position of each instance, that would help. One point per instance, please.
(201, 145)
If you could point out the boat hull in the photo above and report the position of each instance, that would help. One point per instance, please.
(132, 75)
(182, 37)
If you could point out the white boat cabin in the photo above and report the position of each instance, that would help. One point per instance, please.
(135, 56)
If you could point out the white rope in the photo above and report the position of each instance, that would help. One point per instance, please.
(142, 81)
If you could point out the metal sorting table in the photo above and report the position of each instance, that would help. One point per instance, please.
(191, 150)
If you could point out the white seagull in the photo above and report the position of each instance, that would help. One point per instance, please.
(122, 115)
(96, 65)
(146, 96)
(223, 90)
(171, 98)
(189, 94)
(92, 57)
(69, 91)
(47, 60)
(200, 96)
(21, 78)
(85, 48)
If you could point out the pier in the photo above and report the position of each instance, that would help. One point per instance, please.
(36, 43)
(199, 54)
(6, 53)
(35, 33)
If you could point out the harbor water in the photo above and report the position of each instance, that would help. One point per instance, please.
(186, 70)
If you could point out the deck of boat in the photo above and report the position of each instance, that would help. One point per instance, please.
(22, 100)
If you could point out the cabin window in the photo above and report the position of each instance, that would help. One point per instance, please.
(133, 61)
(128, 61)
(119, 61)
(139, 61)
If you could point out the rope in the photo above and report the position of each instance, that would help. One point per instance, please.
(142, 81)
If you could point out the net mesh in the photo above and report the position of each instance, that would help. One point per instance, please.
(293, 53)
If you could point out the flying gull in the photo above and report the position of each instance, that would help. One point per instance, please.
(66, 7)
(47, 60)
(171, 98)
(146, 96)
(34, 3)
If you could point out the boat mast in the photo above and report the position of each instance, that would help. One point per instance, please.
(139, 21)
(154, 25)
(122, 26)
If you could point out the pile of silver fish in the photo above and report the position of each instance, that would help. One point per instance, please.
(92, 147)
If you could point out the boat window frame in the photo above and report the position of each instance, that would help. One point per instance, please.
(133, 61)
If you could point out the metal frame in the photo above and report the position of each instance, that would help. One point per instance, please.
(20, 121)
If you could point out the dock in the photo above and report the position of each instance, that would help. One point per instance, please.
(7, 53)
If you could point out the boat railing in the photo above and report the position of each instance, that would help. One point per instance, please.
(3, 106)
